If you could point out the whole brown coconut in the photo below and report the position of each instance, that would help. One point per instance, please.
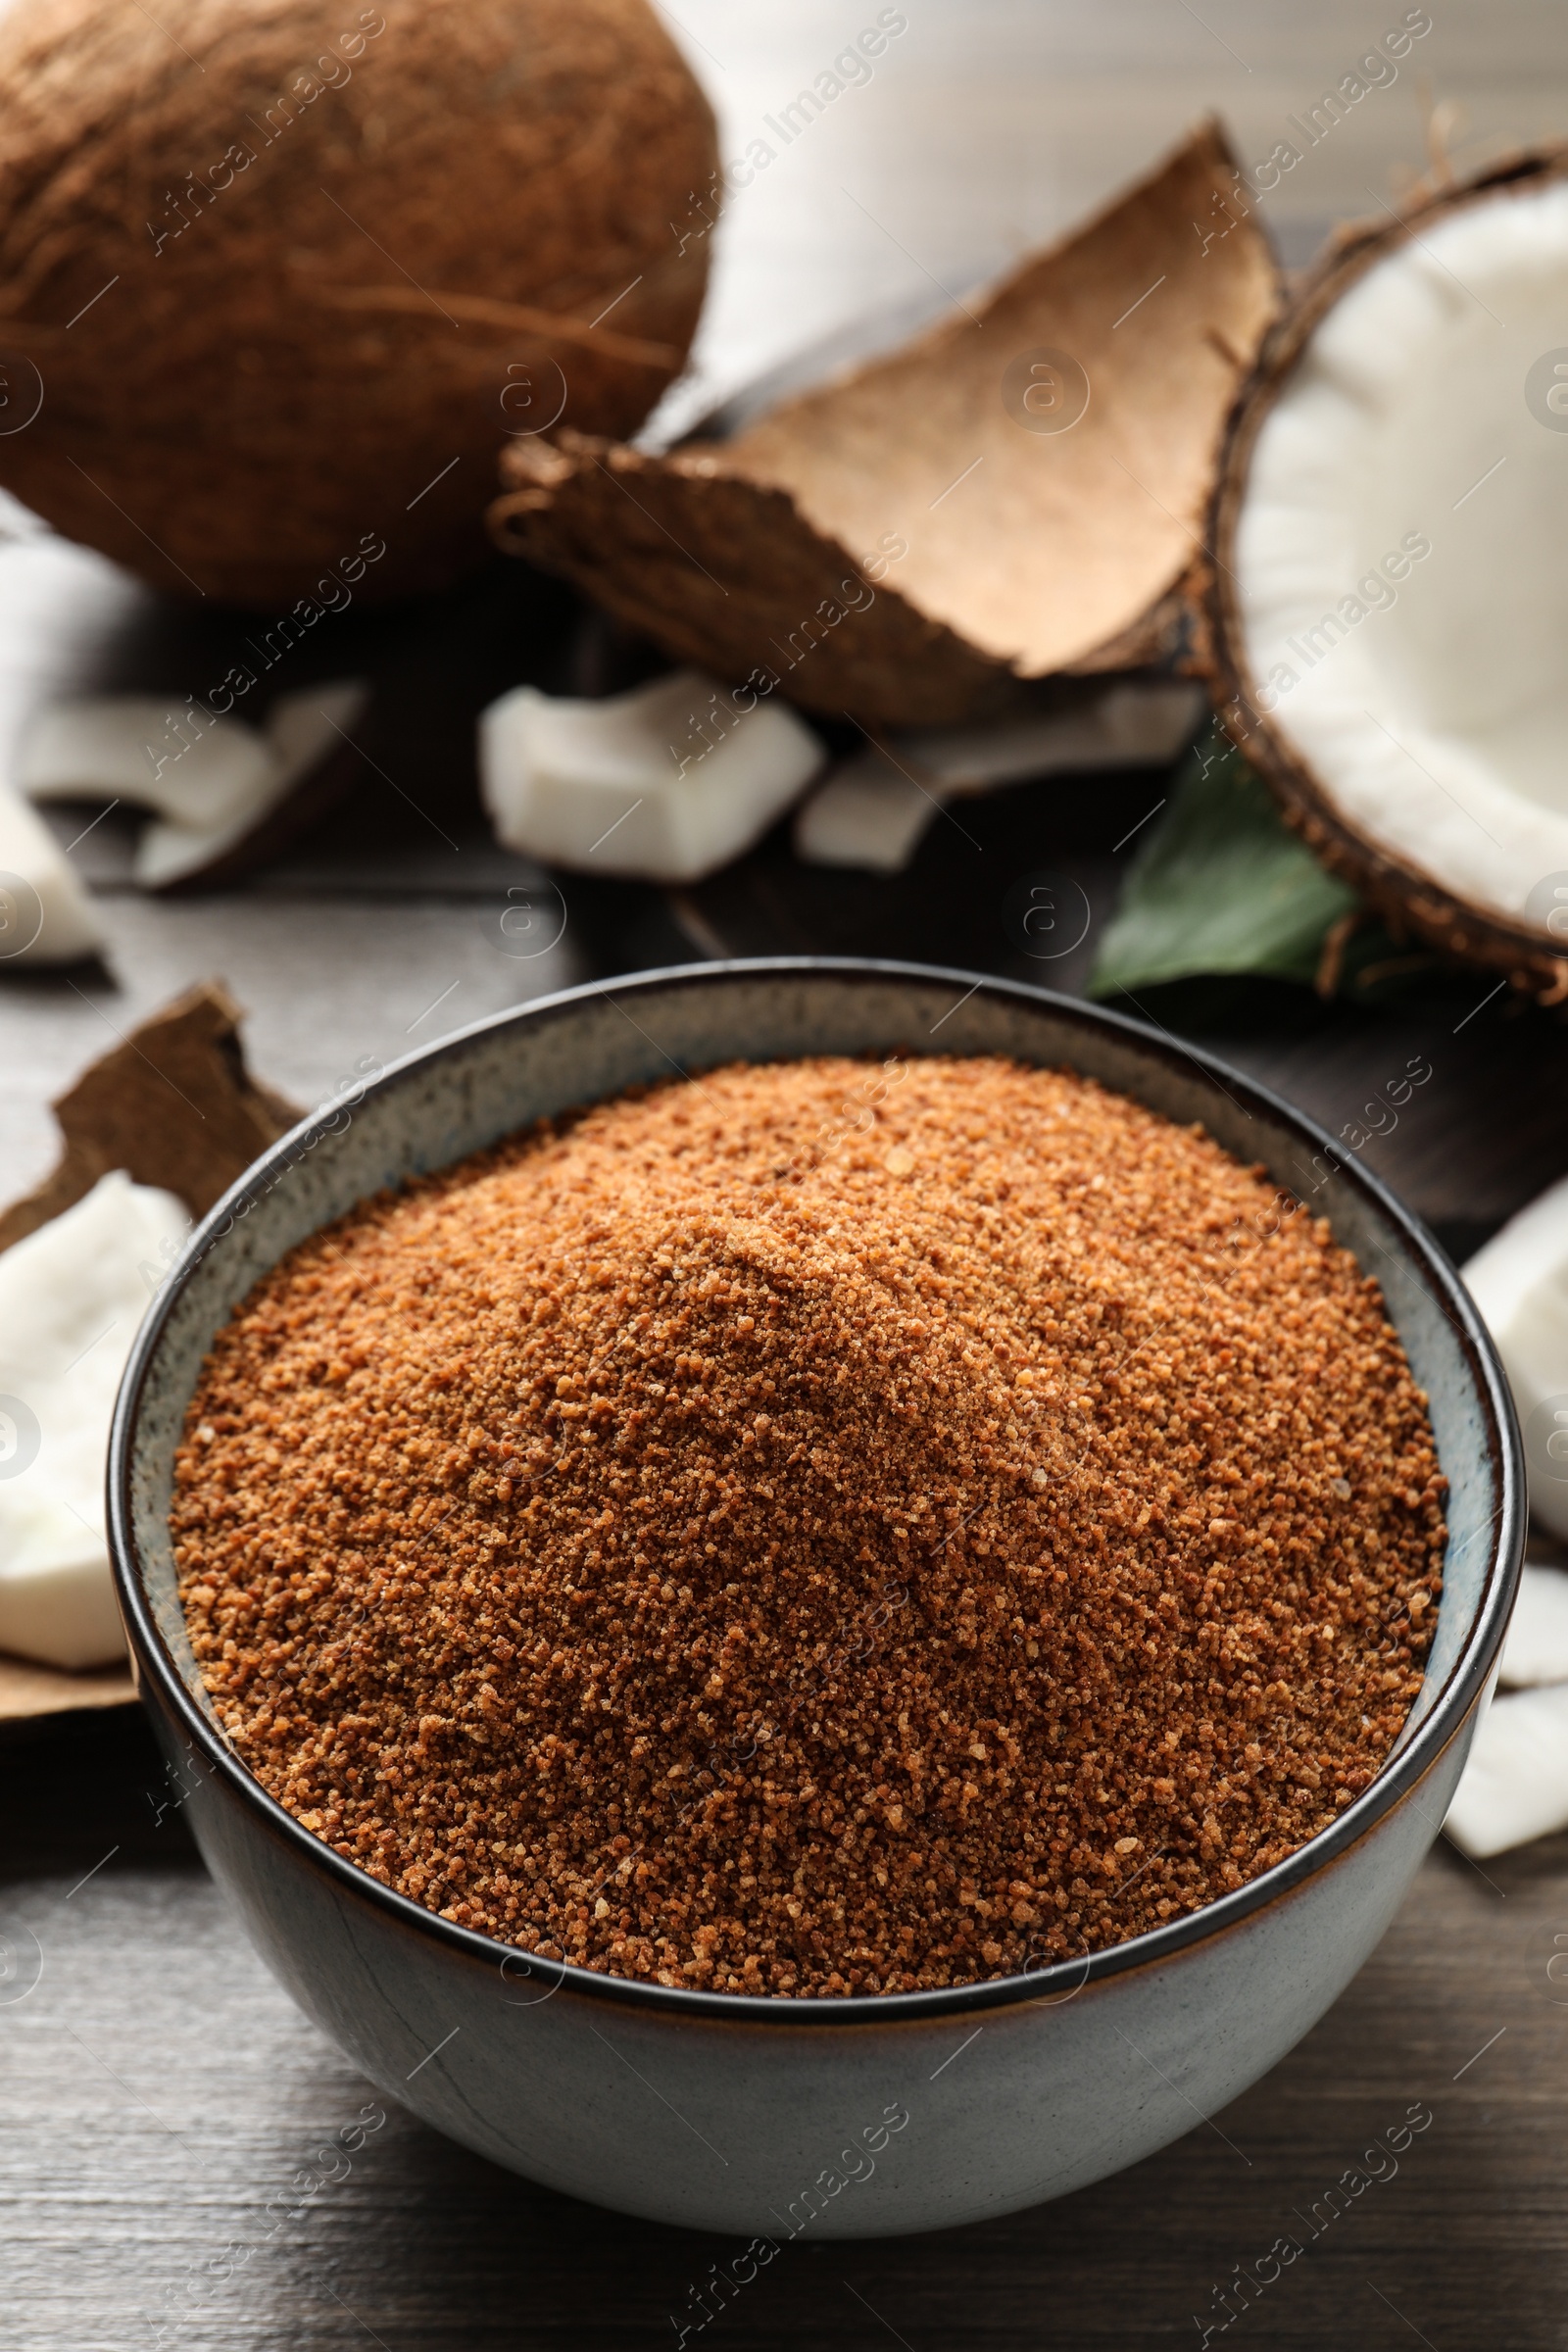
(276, 281)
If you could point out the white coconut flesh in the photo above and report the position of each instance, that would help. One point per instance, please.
(1536, 1650)
(666, 783)
(71, 1296)
(1515, 1785)
(208, 782)
(1402, 555)
(45, 915)
(1520, 1283)
(875, 807)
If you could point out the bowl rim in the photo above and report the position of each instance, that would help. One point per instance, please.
(1049, 1987)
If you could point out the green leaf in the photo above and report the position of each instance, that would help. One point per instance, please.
(1220, 886)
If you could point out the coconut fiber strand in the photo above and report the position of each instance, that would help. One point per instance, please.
(819, 1529)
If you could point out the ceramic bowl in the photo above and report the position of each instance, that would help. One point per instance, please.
(767, 2117)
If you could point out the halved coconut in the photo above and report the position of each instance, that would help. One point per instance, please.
(1019, 492)
(1390, 594)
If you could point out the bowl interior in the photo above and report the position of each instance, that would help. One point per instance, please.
(467, 1092)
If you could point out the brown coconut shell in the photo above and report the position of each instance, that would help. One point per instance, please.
(172, 1104)
(271, 266)
(1028, 553)
(27, 1691)
(1412, 902)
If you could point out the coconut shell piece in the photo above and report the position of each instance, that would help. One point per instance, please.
(173, 1104)
(1018, 492)
(276, 281)
(28, 1689)
(1410, 902)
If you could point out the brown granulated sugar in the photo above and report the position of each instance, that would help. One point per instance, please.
(819, 1529)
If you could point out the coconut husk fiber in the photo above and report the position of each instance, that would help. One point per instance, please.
(172, 1104)
(1026, 553)
(272, 266)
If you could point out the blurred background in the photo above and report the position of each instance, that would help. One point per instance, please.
(989, 128)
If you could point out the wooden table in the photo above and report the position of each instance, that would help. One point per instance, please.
(155, 2088)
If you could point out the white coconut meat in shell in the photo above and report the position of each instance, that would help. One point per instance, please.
(1401, 586)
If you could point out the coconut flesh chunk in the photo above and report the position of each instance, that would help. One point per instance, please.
(874, 810)
(1018, 492)
(666, 783)
(71, 1296)
(1515, 1783)
(211, 782)
(1520, 1283)
(1400, 587)
(45, 915)
(1537, 1647)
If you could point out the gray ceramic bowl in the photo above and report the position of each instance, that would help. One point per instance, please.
(767, 2117)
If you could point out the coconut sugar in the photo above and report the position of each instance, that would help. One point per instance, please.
(823, 1528)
